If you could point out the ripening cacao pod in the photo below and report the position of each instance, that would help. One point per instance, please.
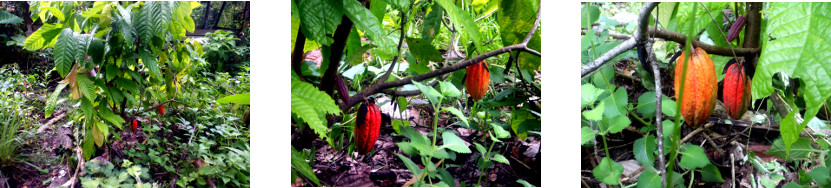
(344, 93)
(134, 127)
(367, 126)
(161, 110)
(737, 26)
(476, 80)
(700, 87)
(736, 90)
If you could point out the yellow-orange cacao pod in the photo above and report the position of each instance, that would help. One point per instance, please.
(700, 87)
(736, 91)
(476, 80)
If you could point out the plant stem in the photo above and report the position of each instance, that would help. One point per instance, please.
(485, 157)
(605, 147)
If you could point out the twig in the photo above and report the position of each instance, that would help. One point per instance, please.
(696, 131)
(400, 42)
(732, 171)
(718, 26)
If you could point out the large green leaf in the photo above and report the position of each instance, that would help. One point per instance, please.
(423, 50)
(802, 49)
(692, 17)
(300, 164)
(462, 19)
(43, 37)
(65, 51)
(107, 114)
(432, 23)
(9, 18)
(86, 86)
(367, 23)
(319, 18)
(310, 104)
(515, 21)
(588, 15)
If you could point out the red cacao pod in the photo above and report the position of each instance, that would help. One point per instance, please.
(737, 26)
(161, 110)
(134, 127)
(476, 80)
(736, 90)
(700, 87)
(367, 126)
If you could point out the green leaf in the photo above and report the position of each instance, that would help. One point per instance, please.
(367, 23)
(646, 105)
(447, 89)
(608, 171)
(423, 50)
(525, 183)
(821, 175)
(402, 104)
(453, 142)
(432, 23)
(614, 125)
(501, 159)
(300, 164)
(499, 131)
(410, 164)
(432, 94)
(105, 130)
(149, 60)
(616, 103)
(9, 18)
(799, 51)
(66, 48)
(124, 22)
(649, 179)
(462, 21)
(801, 149)
(53, 100)
(242, 98)
(310, 104)
(643, 149)
(378, 9)
(107, 114)
(399, 4)
(710, 173)
(89, 110)
(693, 157)
(588, 15)
(790, 130)
(87, 87)
(457, 113)
(481, 149)
(89, 145)
(668, 106)
(586, 134)
(516, 18)
(595, 114)
(589, 94)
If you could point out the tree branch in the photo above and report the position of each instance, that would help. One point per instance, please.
(666, 35)
(398, 51)
(297, 55)
(327, 82)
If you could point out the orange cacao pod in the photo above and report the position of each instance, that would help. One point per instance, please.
(700, 87)
(476, 80)
(161, 110)
(736, 91)
(367, 126)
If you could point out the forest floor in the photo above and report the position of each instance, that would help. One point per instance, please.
(381, 167)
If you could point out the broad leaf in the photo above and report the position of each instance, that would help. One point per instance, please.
(453, 142)
(608, 171)
(242, 98)
(516, 18)
(693, 157)
(462, 21)
(367, 23)
(300, 164)
(643, 149)
(801, 50)
(9, 18)
(310, 104)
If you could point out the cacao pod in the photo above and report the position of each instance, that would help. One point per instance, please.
(161, 110)
(737, 26)
(736, 91)
(367, 126)
(134, 127)
(476, 80)
(344, 93)
(700, 87)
